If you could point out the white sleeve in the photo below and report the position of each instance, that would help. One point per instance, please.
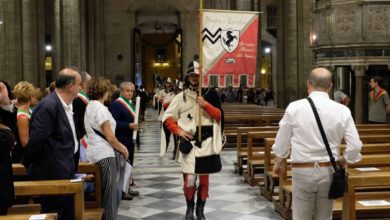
(282, 144)
(354, 145)
(102, 115)
(173, 109)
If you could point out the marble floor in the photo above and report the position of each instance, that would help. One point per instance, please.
(159, 182)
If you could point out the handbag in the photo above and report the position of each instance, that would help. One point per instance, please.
(339, 183)
(185, 146)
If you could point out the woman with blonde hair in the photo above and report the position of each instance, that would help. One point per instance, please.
(23, 92)
(102, 143)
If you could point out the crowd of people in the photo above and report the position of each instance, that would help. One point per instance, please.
(259, 96)
(78, 119)
(85, 118)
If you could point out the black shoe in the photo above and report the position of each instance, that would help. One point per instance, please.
(190, 209)
(133, 192)
(126, 196)
(200, 209)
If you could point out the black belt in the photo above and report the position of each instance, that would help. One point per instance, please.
(207, 131)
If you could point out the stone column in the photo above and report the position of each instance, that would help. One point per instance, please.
(57, 38)
(71, 33)
(30, 43)
(67, 35)
(12, 42)
(190, 40)
(95, 43)
(83, 35)
(41, 43)
(287, 52)
(2, 41)
(360, 100)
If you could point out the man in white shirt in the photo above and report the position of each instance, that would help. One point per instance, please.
(311, 169)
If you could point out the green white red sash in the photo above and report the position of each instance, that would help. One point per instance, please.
(22, 112)
(83, 97)
(127, 104)
(376, 97)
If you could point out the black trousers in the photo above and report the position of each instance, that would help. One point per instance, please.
(63, 205)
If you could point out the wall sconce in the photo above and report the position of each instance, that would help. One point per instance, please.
(48, 48)
(160, 64)
(313, 39)
(262, 71)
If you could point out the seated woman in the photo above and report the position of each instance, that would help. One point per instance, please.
(100, 127)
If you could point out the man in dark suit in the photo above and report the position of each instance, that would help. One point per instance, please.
(53, 142)
(123, 111)
(79, 105)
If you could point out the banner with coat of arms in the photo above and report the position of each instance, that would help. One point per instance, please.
(229, 47)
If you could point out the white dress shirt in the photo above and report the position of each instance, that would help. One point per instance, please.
(69, 114)
(298, 129)
(96, 114)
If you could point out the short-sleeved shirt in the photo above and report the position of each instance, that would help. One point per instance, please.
(339, 96)
(377, 108)
(95, 115)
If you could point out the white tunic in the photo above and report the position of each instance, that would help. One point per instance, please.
(185, 113)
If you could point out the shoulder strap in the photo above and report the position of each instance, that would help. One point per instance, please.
(332, 160)
(104, 137)
(99, 133)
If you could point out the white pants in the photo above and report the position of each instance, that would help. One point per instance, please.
(310, 193)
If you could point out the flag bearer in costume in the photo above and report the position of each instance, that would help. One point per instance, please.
(123, 111)
(378, 102)
(79, 105)
(161, 96)
(181, 118)
(165, 97)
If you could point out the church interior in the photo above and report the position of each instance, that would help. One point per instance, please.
(151, 43)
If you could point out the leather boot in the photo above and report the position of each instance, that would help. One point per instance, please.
(190, 209)
(200, 209)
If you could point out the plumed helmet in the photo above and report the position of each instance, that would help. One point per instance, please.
(193, 68)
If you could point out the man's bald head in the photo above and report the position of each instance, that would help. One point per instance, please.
(320, 79)
(67, 76)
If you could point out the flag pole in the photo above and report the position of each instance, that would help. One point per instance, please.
(200, 69)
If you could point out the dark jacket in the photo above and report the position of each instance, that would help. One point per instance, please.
(50, 148)
(79, 107)
(123, 119)
(9, 119)
(7, 141)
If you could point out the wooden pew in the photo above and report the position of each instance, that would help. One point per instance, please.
(256, 158)
(267, 188)
(48, 216)
(374, 179)
(93, 208)
(54, 187)
(242, 149)
(382, 159)
(19, 169)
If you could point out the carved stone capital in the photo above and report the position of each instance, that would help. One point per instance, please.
(360, 70)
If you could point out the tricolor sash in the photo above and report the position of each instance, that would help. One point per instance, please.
(376, 97)
(127, 104)
(83, 97)
(22, 112)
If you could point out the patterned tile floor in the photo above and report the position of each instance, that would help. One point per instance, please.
(159, 182)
